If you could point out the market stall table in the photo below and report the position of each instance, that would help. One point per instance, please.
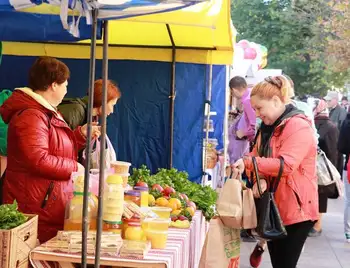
(183, 250)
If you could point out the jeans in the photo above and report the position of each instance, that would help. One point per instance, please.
(347, 204)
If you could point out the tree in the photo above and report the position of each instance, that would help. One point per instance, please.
(294, 37)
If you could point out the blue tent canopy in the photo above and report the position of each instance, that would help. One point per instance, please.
(20, 22)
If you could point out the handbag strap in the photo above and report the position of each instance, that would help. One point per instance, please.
(274, 182)
(327, 165)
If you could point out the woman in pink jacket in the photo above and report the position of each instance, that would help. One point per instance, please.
(287, 133)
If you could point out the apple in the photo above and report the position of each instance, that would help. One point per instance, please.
(141, 184)
(184, 197)
(168, 191)
(158, 188)
(183, 218)
(192, 204)
(174, 218)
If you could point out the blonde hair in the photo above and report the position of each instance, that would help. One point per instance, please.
(273, 86)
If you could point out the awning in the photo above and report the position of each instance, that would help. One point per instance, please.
(202, 34)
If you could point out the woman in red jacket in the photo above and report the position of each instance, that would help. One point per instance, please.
(42, 149)
(287, 133)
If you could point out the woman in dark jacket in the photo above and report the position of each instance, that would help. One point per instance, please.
(327, 141)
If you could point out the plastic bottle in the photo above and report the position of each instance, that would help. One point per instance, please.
(113, 199)
(74, 209)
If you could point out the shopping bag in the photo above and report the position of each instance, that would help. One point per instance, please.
(327, 173)
(229, 205)
(249, 210)
(221, 247)
(110, 155)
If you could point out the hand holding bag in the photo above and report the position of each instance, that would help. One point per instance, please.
(270, 225)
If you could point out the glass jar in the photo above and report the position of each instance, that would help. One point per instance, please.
(134, 232)
(114, 227)
(133, 196)
(113, 199)
(126, 223)
(143, 194)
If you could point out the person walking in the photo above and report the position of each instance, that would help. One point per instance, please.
(285, 133)
(327, 142)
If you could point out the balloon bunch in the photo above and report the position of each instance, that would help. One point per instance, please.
(245, 50)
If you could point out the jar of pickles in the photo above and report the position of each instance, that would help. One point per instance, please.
(133, 196)
(143, 195)
(134, 232)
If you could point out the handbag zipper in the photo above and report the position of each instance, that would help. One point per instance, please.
(47, 195)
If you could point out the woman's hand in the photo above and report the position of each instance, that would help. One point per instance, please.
(95, 130)
(263, 184)
(239, 165)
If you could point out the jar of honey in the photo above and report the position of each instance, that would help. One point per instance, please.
(133, 196)
(143, 194)
(126, 223)
(134, 232)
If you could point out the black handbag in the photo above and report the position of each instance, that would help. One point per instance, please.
(270, 225)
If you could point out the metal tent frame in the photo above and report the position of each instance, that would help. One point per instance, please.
(172, 94)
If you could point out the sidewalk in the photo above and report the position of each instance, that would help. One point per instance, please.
(327, 251)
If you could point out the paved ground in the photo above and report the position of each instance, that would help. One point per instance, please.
(330, 250)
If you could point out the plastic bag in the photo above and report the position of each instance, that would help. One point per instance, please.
(96, 152)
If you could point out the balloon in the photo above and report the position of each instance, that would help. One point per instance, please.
(250, 53)
(263, 63)
(263, 49)
(244, 44)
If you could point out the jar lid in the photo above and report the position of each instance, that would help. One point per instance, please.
(80, 193)
(141, 188)
(131, 220)
(132, 193)
(134, 224)
(114, 179)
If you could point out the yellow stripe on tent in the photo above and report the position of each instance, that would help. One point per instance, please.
(76, 51)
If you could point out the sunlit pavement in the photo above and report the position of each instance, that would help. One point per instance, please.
(328, 250)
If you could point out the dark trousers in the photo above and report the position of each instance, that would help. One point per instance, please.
(340, 164)
(285, 253)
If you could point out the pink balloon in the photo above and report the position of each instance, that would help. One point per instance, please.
(244, 44)
(250, 53)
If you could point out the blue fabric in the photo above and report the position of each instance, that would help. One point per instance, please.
(139, 127)
(27, 27)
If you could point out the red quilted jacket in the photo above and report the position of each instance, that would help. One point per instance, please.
(42, 154)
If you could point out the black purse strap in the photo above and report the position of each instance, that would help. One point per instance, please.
(274, 183)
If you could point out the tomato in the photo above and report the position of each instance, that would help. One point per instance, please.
(158, 188)
(142, 184)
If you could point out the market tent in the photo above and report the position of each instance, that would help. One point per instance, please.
(139, 129)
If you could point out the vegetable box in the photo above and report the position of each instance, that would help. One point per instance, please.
(16, 243)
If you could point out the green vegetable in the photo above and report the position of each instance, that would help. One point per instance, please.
(156, 194)
(10, 217)
(204, 197)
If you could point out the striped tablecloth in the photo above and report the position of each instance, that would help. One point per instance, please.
(183, 249)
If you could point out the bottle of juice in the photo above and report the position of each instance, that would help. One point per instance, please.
(74, 209)
(113, 199)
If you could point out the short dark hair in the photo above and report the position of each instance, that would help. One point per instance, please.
(238, 82)
(45, 71)
(344, 98)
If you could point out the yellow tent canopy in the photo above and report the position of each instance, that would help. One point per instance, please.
(201, 33)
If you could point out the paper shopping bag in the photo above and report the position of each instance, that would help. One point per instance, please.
(221, 246)
(229, 205)
(249, 210)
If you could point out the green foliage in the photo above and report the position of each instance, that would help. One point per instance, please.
(295, 38)
(10, 217)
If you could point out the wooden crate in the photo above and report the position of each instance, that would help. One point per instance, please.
(16, 244)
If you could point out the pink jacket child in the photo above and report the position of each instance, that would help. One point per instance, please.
(296, 195)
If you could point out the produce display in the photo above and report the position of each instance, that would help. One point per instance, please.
(171, 188)
(10, 217)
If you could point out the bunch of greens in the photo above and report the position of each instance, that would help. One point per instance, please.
(204, 197)
(10, 217)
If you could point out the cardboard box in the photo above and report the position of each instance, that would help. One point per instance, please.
(16, 244)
